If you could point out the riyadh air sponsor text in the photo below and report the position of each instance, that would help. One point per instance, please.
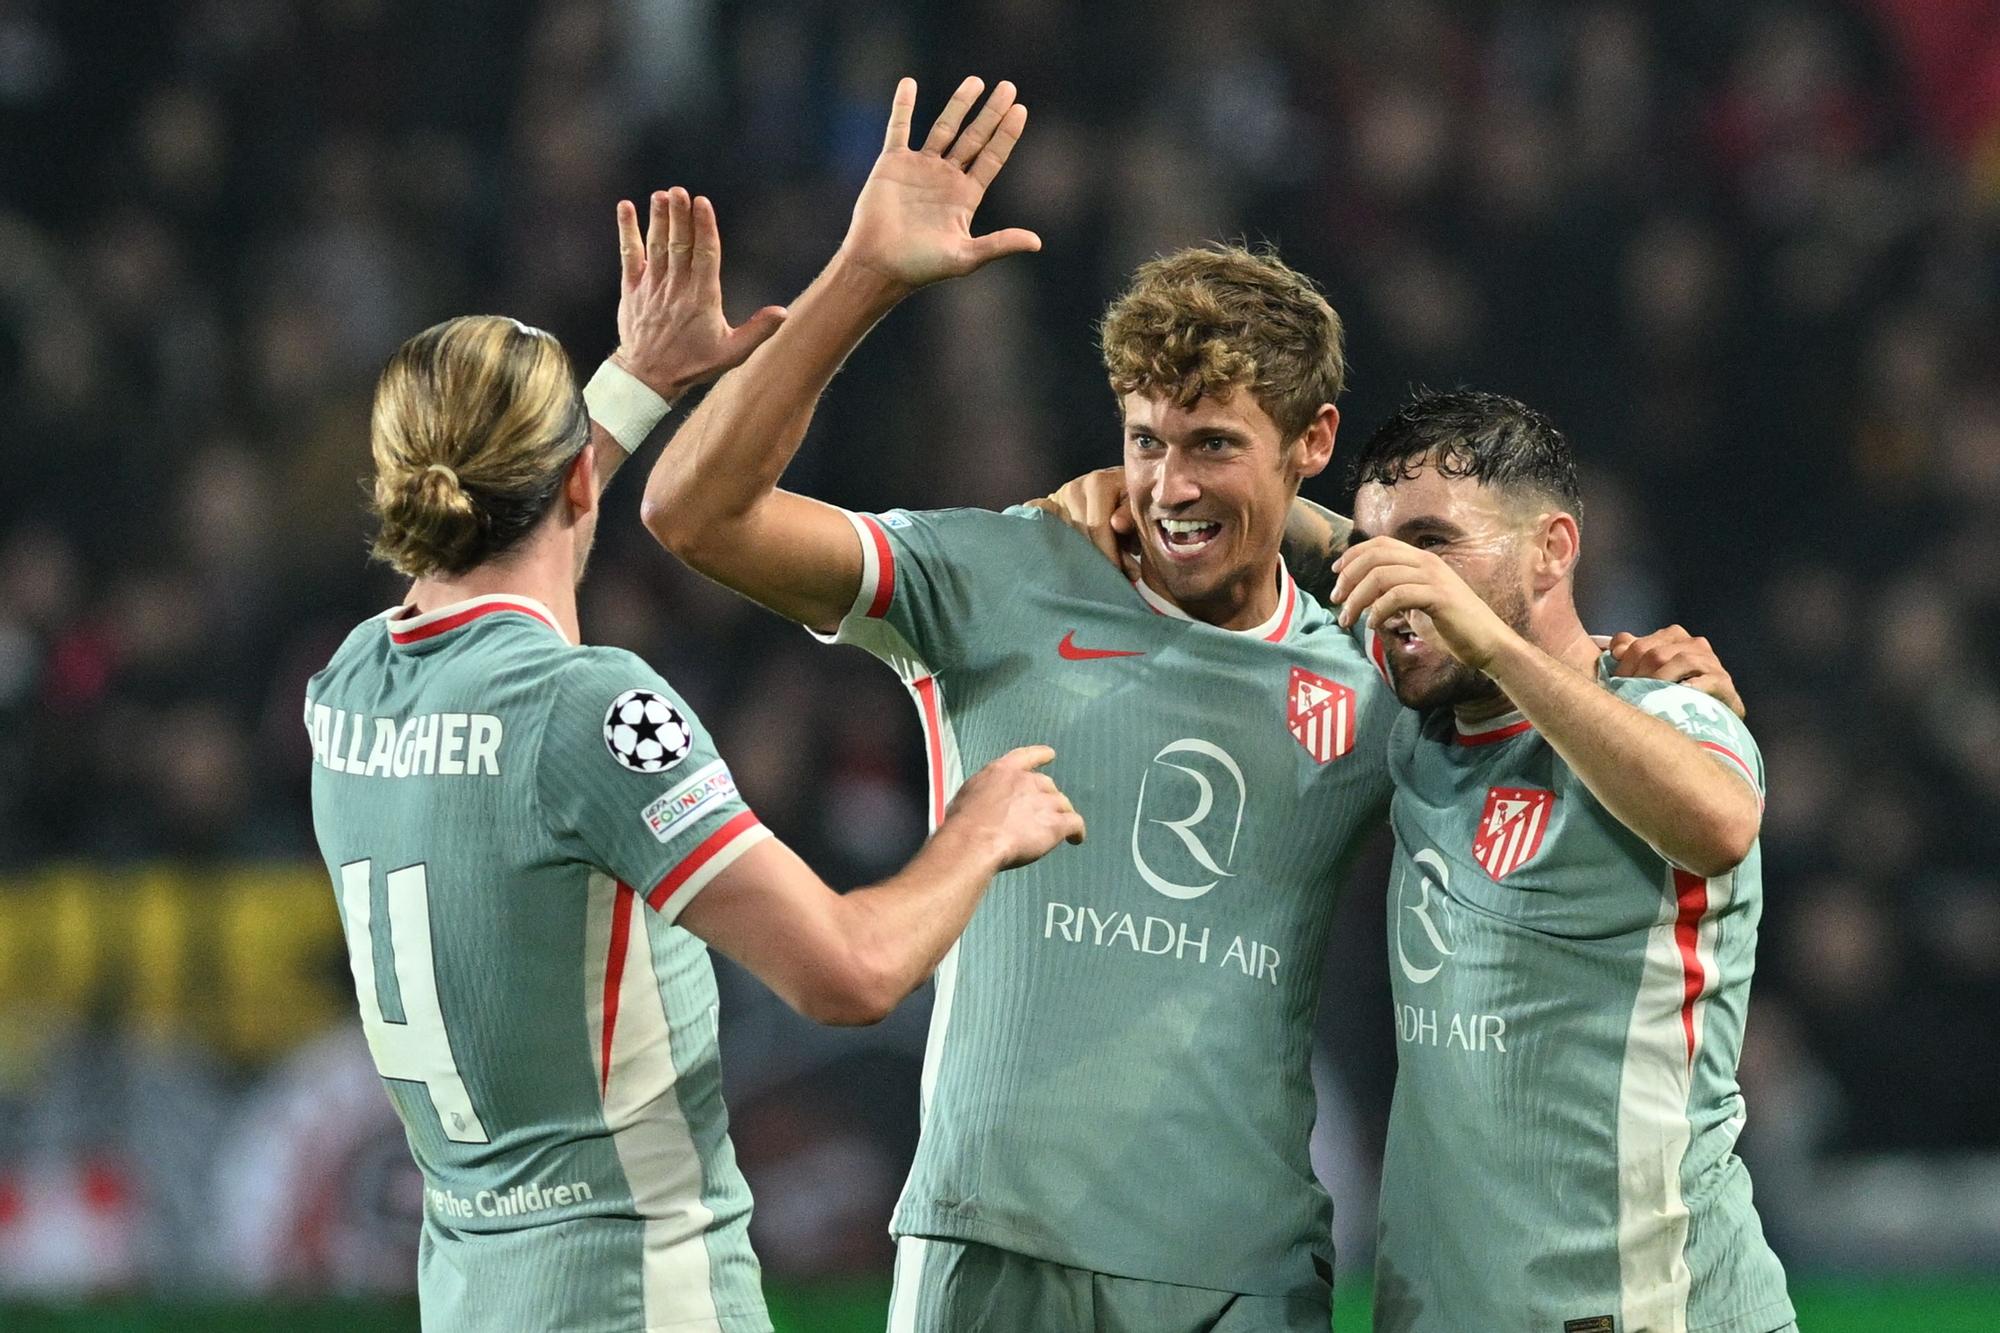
(1423, 949)
(1157, 937)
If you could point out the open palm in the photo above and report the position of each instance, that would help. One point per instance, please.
(913, 221)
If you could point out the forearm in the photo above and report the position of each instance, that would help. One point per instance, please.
(900, 929)
(1654, 780)
(1314, 535)
(728, 456)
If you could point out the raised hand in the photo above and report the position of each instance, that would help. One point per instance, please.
(1019, 808)
(671, 330)
(1388, 579)
(913, 221)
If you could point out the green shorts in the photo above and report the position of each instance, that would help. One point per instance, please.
(948, 1286)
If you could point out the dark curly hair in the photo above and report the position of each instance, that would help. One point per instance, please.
(1496, 440)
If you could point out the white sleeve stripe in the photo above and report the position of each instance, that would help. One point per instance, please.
(871, 578)
(684, 893)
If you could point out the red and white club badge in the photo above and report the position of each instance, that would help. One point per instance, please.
(1320, 715)
(1511, 828)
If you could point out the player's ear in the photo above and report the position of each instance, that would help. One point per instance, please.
(1556, 551)
(580, 483)
(1313, 450)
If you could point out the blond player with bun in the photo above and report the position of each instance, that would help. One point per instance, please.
(530, 839)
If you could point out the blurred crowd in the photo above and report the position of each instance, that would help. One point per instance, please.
(1747, 252)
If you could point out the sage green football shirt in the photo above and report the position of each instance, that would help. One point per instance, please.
(1569, 1014)
(512, 823)
(1117, 1076)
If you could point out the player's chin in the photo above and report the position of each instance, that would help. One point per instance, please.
(1426, 685)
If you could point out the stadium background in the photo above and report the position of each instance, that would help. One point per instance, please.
(1747, 252)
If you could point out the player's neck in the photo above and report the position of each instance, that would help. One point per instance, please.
(1243, 604)
(545, 573)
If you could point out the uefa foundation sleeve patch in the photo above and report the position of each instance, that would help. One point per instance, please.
(646, 733)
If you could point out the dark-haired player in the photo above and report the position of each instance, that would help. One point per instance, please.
(1573, 916)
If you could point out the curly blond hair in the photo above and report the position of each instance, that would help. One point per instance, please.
(1212, 319)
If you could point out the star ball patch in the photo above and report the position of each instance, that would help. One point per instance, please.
(645, 733)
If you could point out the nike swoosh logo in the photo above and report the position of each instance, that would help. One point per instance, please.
(1069, 652)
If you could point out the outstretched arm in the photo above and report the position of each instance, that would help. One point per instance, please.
(1657, 782)
(713, 497)
(850, 958)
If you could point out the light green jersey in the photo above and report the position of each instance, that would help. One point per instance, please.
(512, 824)
(1569, 1012)
(1117, 1075)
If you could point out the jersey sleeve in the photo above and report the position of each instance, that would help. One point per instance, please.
(932, 581)
(1706, 722)
(630, 782)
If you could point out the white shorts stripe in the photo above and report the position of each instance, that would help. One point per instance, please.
(909, 1284)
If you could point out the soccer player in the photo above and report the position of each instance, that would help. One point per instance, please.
(1573, 918)
(1116, 1096)
(531, 838)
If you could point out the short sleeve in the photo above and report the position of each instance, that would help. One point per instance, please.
(931, 579)
(1710, 725)
(630, 781)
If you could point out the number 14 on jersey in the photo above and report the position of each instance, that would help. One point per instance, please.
(414, 1048)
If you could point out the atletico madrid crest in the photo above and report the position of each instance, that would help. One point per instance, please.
(1511, 828)
(1320, 714)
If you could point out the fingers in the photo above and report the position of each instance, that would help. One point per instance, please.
(1720, 688)
(1653, 654)
(1000, 147)
(659, 227)
(999, 244)
(631, 246)
(1358, 562)
(705, 258)
(945, 129)
(748, 336)
(967, 145)
(901, 109)
(1026, 757)
(1414, 597)
(1073, 829)
(680, 235)
(1370, 594)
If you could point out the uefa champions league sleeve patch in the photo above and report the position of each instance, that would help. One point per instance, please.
(645, 733)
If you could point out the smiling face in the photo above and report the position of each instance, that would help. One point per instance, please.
(1489, 538)
(1211, 485)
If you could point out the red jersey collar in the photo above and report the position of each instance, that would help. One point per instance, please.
(407, 629)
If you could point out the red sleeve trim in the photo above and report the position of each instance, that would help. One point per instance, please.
(1731, 756)
(677, 878)
(885, 569)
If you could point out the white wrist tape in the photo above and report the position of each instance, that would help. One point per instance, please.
(620, 402)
